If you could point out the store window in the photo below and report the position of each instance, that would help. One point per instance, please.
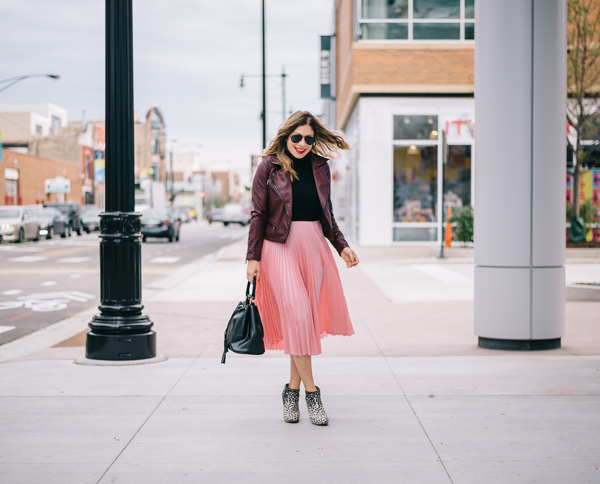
(415, 178)
(457, 176)
(420, 20)
(415, 128)
(415, 183)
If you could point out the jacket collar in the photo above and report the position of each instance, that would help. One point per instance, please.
(317, 160)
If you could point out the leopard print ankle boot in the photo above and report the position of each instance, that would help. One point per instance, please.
(291, 409)
(316, 412)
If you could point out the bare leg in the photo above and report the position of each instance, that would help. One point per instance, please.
(294, 375)
(304, 367)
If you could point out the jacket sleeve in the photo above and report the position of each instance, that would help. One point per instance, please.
(338, 241)
(258, 220)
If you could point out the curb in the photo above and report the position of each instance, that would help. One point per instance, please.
(47, 337)
(582, 292)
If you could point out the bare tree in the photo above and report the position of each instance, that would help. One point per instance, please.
(583, 83)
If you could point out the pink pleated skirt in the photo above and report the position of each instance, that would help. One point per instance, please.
(299, 294)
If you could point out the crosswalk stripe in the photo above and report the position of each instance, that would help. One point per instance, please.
(27, 258)
(74, 260)
(165, 260)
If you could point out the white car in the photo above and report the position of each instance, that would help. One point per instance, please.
(234, 213)
(18, 223)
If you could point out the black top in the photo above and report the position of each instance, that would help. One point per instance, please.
(305, 199)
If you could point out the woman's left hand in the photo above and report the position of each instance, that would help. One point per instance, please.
(350, 257)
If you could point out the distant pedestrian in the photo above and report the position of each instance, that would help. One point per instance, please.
(298, 292)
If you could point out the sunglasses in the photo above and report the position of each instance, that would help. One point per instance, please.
(296, 138)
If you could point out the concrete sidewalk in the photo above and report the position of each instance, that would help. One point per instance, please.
(411, 398)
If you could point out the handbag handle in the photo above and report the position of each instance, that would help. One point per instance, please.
(251, 298)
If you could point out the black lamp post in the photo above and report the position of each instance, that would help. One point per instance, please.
(264, 81)
(120, 331)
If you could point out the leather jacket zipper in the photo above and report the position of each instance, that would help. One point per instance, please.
(277, 192)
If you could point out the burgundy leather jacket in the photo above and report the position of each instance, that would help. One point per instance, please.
(272, 205)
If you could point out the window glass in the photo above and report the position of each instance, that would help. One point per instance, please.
(457, 176)
(384, 31)
(415, 234)
(441, 9)
(469, 8)
(384, 8)
(415, 183)
(422, 31)
(469, 31)
(9, 213)
(416, 127)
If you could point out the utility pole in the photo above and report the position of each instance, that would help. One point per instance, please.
(264, 81)
(172, 172)
(120, 331)
(283, 76)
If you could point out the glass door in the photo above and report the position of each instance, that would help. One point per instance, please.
(457, 176)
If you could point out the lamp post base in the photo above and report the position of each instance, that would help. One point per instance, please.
(120, 338)
(519, 344)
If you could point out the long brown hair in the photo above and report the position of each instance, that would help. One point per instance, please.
(326, 142)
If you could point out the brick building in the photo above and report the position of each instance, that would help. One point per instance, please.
(22, 179)
(402, 89)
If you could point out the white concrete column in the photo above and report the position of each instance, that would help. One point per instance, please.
(520, 108)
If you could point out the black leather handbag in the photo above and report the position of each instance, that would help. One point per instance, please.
(244, 333)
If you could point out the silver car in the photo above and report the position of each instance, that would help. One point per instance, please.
(18, 224)
(235, 213)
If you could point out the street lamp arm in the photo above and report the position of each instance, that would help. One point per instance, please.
(13, 80)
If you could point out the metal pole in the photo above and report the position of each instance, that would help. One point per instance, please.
(264, 81)
(283, 76)
(120, 331)
(172, 180)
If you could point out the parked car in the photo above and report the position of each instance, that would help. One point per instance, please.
(234, 213)
(160, 223)
(71, 210)
(18, 224)
(52, 222)
(90, 219)
(180, 213)
(215, 215)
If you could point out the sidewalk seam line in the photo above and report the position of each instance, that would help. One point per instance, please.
(418, 420)
(403, 392)
(152, 413)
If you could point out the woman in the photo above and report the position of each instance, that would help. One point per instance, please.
(298, 289)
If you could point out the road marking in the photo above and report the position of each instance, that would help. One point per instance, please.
(68, 251)
(27, 258)
(4, 329)
(72, 295)
(75, 276)
(20, 249)
(74, 260)
(12, 292)
(44, 302)
(49, 283)
(165, 260)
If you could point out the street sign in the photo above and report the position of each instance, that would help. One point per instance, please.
(326, 67)
(58, 185)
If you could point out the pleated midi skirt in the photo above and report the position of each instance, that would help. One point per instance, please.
(299, 295)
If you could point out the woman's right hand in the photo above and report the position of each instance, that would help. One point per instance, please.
(253, 269)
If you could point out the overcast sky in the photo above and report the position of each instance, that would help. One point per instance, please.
(188, 57)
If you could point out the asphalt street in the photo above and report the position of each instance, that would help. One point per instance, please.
(44, 282)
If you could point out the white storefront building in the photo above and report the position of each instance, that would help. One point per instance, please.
(407, 152)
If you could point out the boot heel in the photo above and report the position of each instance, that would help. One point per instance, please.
(316, 412)
(291, 407)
